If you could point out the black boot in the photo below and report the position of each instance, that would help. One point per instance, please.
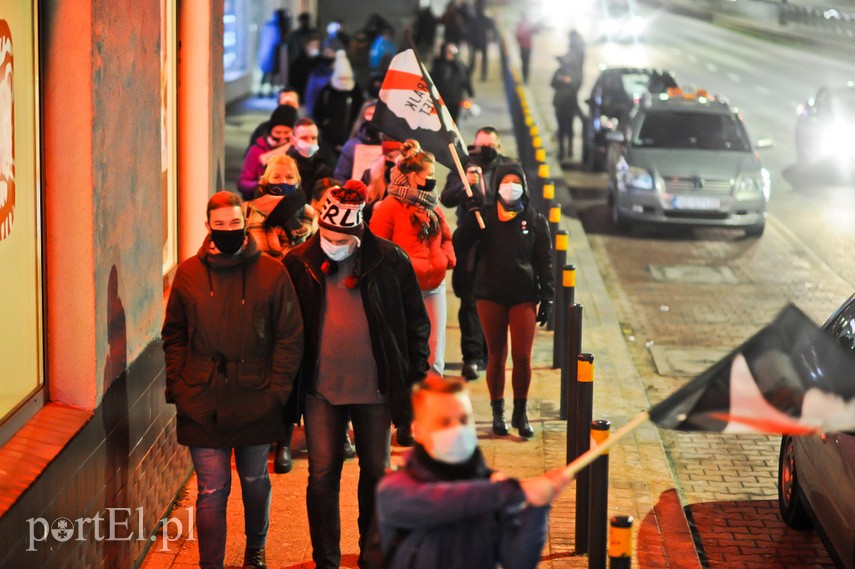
(499, 425)
(254, 558)
(282, 463)
(519, 419)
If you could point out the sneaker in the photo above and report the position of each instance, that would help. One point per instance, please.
(470, 370)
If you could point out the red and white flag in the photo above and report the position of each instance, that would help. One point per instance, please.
(407, 108)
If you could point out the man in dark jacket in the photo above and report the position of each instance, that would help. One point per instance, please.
(366, 337)
(484, 157)
(446, 508)
(451, 79)
(304, 151)
(233, 339)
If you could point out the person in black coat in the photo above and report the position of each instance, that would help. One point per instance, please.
(514, 286)
(305, 151)
(451, 79)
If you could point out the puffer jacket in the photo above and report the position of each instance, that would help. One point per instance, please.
(514, 257)
(397, 320)
(232, 338)
(456, 522)
(396, 221)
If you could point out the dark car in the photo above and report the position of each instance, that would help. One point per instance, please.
(615, 93)
(825, 127)
(816, 473)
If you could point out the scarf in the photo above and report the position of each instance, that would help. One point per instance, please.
(473, 468)
(424, 203)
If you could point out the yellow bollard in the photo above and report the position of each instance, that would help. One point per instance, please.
(528, 120)
(620, 542)
(554, 215)
(549, 192)
(543, 170)
(536, 142)
(533, 131)
(539, 153)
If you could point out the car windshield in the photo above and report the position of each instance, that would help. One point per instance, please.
(692, 130)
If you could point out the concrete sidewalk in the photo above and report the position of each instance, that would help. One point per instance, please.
(640, 485)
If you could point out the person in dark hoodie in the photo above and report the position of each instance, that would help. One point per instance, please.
(365, 132)
(337, 106)
(513, 276)
(233, 340)
(366, 340)
(446, 507)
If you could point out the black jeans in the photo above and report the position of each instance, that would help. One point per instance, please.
(325, 424)
(472, 343)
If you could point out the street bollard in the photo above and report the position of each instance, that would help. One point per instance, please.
(620, 542)
(539, 152)
(559, 339)
(572, 349)
(599, 501)
(582, 432)
(554, 214)
(558, 259)
(533, 131)
(528, 120)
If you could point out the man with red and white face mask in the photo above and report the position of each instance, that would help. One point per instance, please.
(366, 334)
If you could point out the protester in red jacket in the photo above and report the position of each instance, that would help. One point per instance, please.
(409, 216)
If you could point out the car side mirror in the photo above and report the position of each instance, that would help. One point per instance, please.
(764, 143)
(615, 136)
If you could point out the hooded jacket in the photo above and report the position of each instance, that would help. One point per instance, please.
(514, 257)
(232, 338)
(456, 521)
(397, 320)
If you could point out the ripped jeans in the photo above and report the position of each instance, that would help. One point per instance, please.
(214, 480)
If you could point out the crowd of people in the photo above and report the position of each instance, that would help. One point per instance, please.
(318, 297)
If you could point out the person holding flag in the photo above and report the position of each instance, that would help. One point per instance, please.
(409, 216)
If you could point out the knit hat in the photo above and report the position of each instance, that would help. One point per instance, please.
(388, 146)
(342, 208)
(342, 75)
(283, 115)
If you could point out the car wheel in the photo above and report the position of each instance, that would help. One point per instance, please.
(793, 510)
(755, 230)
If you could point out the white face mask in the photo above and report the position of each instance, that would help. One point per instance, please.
(453, 445)
(340, 252)
(510, 192)
(306, 149)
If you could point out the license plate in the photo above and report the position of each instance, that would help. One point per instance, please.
(696, 202)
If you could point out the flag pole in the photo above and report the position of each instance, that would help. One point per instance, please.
(572, 469)
(453, 149)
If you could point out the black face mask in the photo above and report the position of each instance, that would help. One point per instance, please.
(428, 186)
(280, 189)
(228, 241)
(488, 154)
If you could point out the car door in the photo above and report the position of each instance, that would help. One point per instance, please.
(827, 462)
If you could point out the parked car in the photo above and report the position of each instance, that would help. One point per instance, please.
(816, 473)
(616, 92)
(685, 159)
(825, 127)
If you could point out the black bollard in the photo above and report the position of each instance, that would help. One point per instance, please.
(559, 340)
(620, 542)
(599, 501)
(560, 257)
(584, 415)
(572, 349)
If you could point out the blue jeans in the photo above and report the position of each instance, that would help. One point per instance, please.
(325, 424)
(214, 480)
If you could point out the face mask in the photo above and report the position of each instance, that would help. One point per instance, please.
(338, 252)
(453, 445)
(228, 241)
(510, 192)
(487, 154)
(276, 141)
(314, 52)
(428, 186)
(306, 149)
(281, 189)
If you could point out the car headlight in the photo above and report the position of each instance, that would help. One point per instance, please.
(761, 183)
(638, 178)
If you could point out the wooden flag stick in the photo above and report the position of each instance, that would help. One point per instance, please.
(572, 469)
(466, 186)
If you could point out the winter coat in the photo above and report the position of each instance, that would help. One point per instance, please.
(311, 169)
(335, 112)
(397, 320)
(514, 257)
(344, 166)
(451, 80)
(399, 222)
(233, 338)
(457, 522)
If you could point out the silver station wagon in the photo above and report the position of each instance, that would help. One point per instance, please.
(685, 159)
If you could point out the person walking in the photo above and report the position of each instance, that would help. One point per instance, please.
(409, 216)
(566, 82)
(481, 29)
(451, 79)
(337, 106)
(366, 343)
(484, 157)
(276, 141)
(304, 151)
(513, 275)
(525, 39)
(446, 508)
(233, 341)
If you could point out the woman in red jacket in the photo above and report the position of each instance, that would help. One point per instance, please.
(409, 216)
